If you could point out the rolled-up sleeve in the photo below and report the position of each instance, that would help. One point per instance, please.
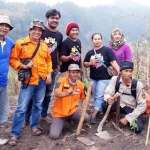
(110, 90)
(141, 104)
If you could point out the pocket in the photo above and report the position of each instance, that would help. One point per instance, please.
(43, 53)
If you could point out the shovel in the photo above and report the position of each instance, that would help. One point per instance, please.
(116, 126)
(104, 134)
(83, 139)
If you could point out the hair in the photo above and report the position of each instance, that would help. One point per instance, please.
(52, 12)
(95, 34)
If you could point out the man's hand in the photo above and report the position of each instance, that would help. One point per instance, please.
(30, 64)
(57, 70)
(48, 79)
(72, 55)
(81, 72)
(110, 100)
(70, 92)
(123, 121)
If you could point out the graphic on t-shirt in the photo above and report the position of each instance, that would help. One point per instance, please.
(100, 58)
(77, 54)
(51, 43)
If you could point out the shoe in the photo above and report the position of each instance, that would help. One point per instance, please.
(47, 119)
(72, 127)
(3, 141)
(93, 120)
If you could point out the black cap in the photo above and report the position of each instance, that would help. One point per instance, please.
(125, 64)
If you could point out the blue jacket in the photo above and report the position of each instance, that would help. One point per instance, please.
(5, 51)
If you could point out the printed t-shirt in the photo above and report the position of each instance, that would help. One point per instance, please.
(53, 41)
(67, 46)
(105, 55)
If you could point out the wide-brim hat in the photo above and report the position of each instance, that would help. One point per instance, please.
(5, 19)
(73, 67)
(37, 23)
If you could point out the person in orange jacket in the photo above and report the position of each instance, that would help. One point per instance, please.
(41, 68)
(68, 91)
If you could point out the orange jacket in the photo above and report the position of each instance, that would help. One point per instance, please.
(24, 48)
(66, 106)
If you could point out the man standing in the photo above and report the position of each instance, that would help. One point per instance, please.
(68, 90)
(41, 68)
(53, 38)
(71, 49)
(132, 103)
(6, 46)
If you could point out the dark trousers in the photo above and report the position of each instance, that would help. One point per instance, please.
(46, 101)
(124, 110)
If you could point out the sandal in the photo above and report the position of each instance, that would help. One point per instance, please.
(36, 131)
(13, 141)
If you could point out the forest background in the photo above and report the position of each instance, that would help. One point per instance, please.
(132, 18)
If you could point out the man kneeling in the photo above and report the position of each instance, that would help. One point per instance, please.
(132, 105)
(68, 91)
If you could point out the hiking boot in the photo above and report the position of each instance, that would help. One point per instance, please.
(93, 120)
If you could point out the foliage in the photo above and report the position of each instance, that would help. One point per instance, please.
(133, 125)
(85, 82)
(93, 19)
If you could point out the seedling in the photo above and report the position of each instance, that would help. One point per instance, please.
(134, 126)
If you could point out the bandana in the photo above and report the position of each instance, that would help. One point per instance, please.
(117, 44)
(72, 83)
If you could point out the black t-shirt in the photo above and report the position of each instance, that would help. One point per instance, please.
(53, 40)
(99, 72)
(66, 47)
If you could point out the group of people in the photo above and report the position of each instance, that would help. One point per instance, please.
(53, 55)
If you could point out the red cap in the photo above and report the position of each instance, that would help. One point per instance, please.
(70, 26)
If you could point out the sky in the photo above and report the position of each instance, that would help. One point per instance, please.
(83, 3)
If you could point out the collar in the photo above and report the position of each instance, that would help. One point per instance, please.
(27, 39)
(72, 83)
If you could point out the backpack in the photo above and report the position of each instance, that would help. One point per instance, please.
(133, 87)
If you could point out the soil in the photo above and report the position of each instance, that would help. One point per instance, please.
(68, 140)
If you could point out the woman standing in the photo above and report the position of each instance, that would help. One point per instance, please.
(117, 44)
(98, 73)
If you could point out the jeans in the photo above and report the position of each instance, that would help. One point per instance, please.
(46, 101)
(23, 101)
(98, 90)
(4, 104)
(124, 110)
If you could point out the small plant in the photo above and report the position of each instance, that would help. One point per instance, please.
(134, 126)
(86, 82)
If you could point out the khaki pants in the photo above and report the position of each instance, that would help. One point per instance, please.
(58, 123)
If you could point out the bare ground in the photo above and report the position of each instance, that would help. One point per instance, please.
(68, 141)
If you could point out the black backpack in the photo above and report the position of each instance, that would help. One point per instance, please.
(133, 87)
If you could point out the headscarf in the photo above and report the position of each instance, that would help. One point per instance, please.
(117, 44)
